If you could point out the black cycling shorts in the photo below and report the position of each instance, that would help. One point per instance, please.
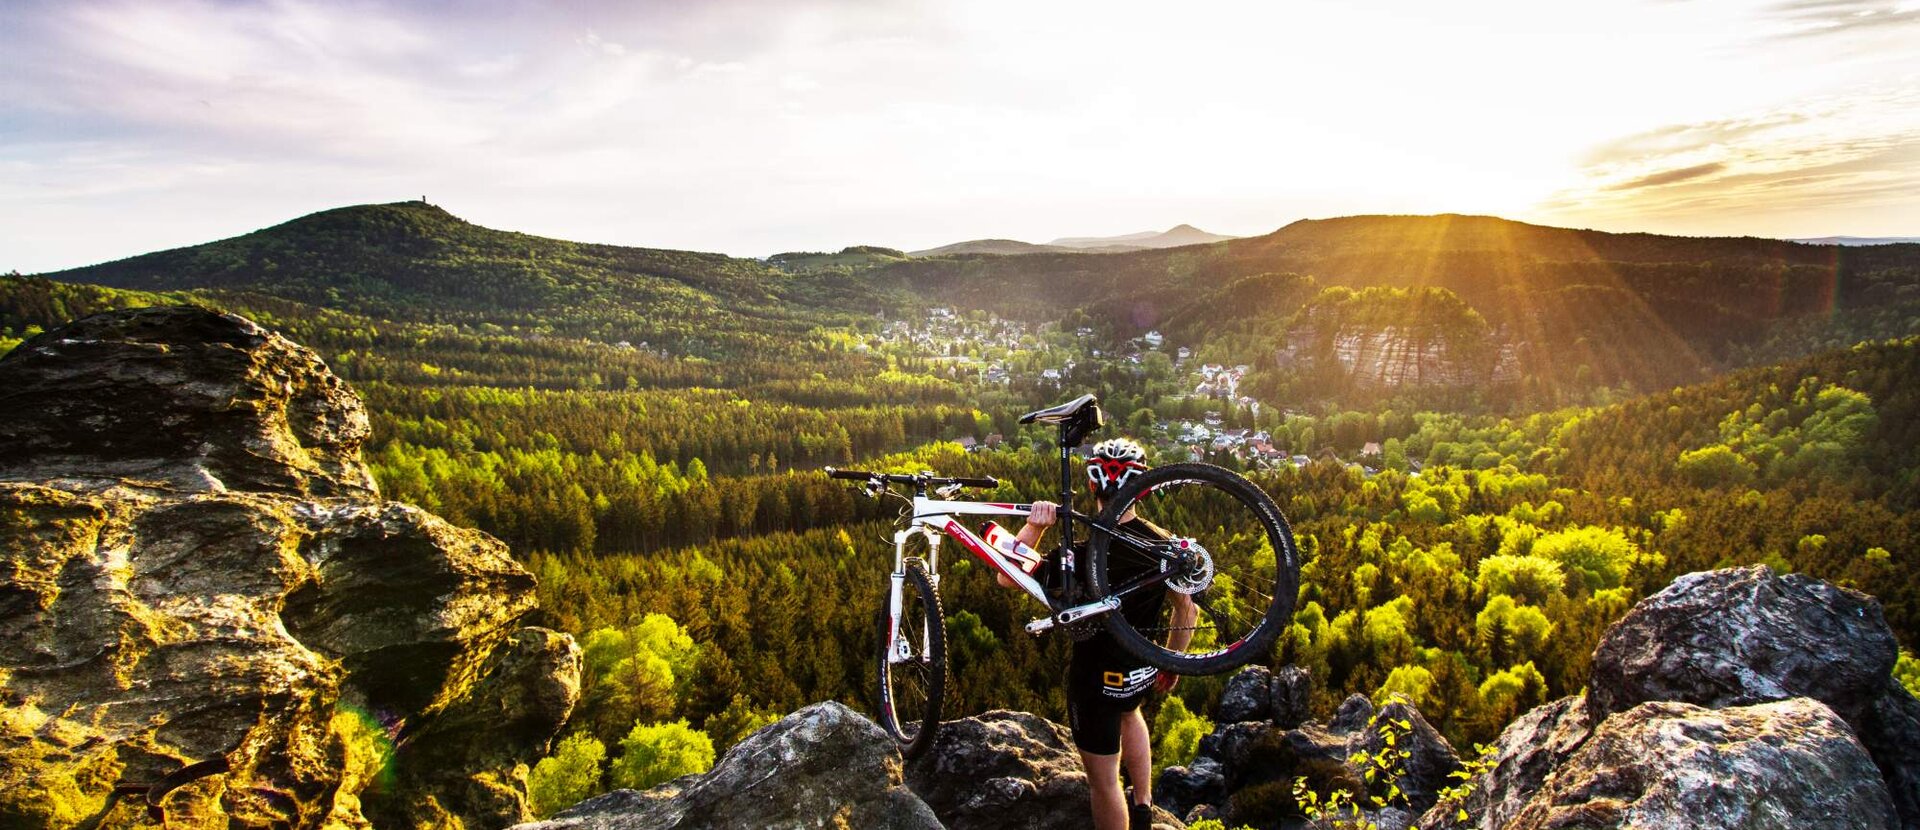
(1098, 698)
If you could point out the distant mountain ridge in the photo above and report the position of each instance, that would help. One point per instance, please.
(1174, 237)
(1860, 240)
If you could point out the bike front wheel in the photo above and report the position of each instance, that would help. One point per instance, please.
(913, 664)
(1228, 557)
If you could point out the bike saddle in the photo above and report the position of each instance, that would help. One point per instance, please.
(1062, 413)
(1076, 418)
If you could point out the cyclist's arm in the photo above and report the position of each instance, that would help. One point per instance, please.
(1042, 517)
(1184, 615)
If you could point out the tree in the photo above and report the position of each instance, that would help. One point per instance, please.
(736, 722)
(660, 752)
(1715, 466)
(1177, 733)
(1530, 579)
(568, 776)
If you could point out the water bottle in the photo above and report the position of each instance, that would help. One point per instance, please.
(1020, 552)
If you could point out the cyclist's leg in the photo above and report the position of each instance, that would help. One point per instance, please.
(1136, 752)
(1094, 720)
(1103, 789)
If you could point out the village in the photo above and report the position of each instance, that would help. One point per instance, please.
(1219, 423)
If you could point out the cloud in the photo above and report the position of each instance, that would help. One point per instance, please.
(1855, 154)
(1670, 176)
(1815, 18)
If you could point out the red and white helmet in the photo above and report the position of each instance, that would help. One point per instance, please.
(1112, 463)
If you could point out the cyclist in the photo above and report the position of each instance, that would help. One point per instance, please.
(1105, 685)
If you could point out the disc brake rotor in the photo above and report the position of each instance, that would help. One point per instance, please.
(1198, 575)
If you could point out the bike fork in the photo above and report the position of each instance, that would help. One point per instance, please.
(900, 645)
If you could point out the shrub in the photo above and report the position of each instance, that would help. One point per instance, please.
(568, 776)
(660, 752)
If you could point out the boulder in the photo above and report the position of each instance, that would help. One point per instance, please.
(1182, 788)
(194, 569)
(1006, 770)
(1742, 636)
(823, 766)
(1790, 765)
(1747, 635)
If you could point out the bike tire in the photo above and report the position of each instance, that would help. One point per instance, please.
(1245, 603)
(910, 693)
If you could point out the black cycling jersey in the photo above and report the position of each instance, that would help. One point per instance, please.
(1142, 608)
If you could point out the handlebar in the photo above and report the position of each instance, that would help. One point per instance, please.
(918, 479)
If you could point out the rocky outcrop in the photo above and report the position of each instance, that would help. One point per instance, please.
(1429, 761)
(1732, 698)
(525, 692)
(1244, 772)
(1527, 751)
(1789, 765)
(1256, 693)
(194, 567)
(823, 766)
(183, 398)
(1747, 635)
(1009, 770)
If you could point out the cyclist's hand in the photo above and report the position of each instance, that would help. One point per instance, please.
(1165, 681)
(1044, 514)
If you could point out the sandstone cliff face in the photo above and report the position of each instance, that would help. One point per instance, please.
(195, 567)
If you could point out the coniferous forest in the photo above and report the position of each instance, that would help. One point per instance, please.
(1491, 438)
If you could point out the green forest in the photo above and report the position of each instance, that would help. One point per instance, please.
(645, 430)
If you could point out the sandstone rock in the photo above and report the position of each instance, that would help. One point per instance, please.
(1742, 636)
(526, 690)
(201, 572)
(1248, 696)
(1524, 754)
(823, 766)
(189, 398)
(1009, 770)
(1791, 764)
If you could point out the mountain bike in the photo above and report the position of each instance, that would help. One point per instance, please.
(1226, 545)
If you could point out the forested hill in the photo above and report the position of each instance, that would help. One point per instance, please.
(413, 261)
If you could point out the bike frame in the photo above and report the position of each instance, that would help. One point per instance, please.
(934, 519)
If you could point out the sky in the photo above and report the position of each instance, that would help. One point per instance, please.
(757, 126)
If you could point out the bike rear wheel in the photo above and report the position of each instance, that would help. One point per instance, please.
(1232, 553)
(913, 667)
